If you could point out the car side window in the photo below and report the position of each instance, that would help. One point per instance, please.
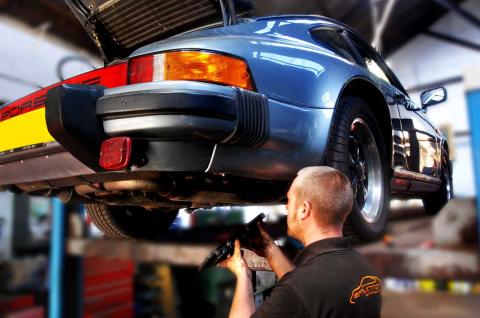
(376, 69)
(335, 42)
(372, 61)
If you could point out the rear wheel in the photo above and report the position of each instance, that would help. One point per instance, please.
(130, 222)
(435, 202)
(356, 148)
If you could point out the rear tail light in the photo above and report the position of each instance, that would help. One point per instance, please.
(190, 66)
(115, 153)
(141, 69)
(110, 76)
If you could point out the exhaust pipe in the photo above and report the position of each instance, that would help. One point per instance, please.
(125, 185)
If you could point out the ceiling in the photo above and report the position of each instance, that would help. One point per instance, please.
(408, 17)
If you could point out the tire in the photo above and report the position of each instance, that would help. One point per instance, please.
(130, 222)
(356, 148)
(435, 202)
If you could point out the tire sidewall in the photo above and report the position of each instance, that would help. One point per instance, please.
(140, 223)
(435, 202)
(130, 222)
(349, 109)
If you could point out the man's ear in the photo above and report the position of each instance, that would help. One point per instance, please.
(306, 210)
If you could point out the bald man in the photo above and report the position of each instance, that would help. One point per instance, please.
(327, 278)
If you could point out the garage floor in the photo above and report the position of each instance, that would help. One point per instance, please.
(429, 305)
(410, 233)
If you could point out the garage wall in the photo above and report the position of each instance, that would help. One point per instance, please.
(29, 58)
(426, 60)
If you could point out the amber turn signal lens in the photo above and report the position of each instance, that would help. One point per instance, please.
(208, 67)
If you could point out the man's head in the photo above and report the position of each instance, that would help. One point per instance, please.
(319, 200)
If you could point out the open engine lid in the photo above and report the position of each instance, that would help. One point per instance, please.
(118, 27)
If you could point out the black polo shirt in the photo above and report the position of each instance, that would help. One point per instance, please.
(330, 280)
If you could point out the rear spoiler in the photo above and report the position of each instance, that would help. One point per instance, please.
(118, 27)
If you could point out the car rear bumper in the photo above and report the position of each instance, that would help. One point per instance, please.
(184, 110)
(226, 129)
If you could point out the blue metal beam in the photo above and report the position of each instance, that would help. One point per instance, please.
(473, 101)
(57, 246)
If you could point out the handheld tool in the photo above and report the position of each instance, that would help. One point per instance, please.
(226, 249)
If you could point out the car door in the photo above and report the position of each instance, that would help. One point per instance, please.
(420, 138)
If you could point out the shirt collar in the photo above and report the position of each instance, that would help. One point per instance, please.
(321, 247)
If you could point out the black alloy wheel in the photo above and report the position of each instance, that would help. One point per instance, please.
(364, 170)
(356, 148)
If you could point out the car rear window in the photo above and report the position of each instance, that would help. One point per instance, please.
(335, 42)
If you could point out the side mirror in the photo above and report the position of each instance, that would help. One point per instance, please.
(433, 96)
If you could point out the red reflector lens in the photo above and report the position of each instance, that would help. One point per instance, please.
(115, 153)
(141, 69)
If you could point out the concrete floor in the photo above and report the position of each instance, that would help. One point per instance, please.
(429, 305)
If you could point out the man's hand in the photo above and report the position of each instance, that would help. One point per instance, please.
(260, 244)
(243, 305)
(236, 263)
(263, 245)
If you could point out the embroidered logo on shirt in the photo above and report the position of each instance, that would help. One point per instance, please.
(369, 285)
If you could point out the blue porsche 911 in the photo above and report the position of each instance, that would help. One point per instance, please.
(200, 105)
